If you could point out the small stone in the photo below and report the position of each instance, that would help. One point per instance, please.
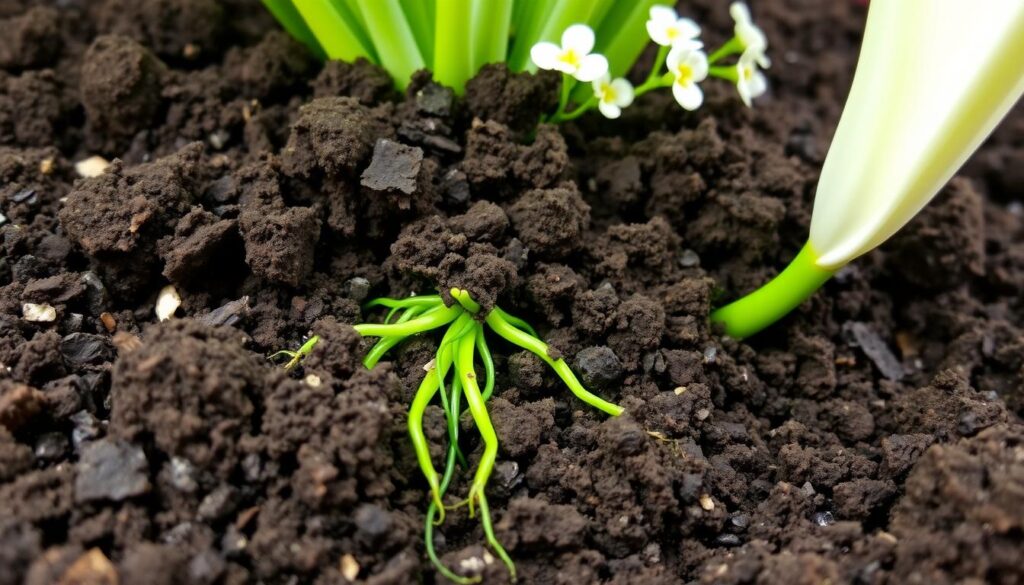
(41, 313)
(3, 219)
(218, 504)
(373, 522)
(710, 354)
(219, 139)
(227, 314)
(703, 413)
(24, 196)
(824, 518)
(455, 186)
(80, 349)
(707, 503)
(349, 567)
(729, 540)
(93, 166)
(206, 567)
(86, 428)
(183, 475)
(864, 336)
(19, 404)
(738, 522)
(111, 470)
(435, 100)
(109, 322)
(507, 475)
(598, 366)
(313, 381)
(51, 447)
(394, 167)
(679, 390)
(95, 293)
(92, 568)
(46, 166)
(167, 302)
(357, 289)
(689, 259)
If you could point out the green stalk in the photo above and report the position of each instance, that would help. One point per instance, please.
(385, 344)
(485, 519)
(477, 408)
(333, 30)
(420, 16)
(452, 38)
(290, 19)
(449, 344)
(774, 300)
(731, 47)
(412, 327)
(534, 15)
(393, 39)
(487, 359)
(726, 72)
(403, 303)
(491, 21)
(540, 349)
(428, 387)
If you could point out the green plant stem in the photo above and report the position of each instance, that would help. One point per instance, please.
(771, 302)
(452, 37)
(488, 361)
(515, 321)
(665, 80)
(420, 324)
(385, 344)
(393, 38)
(428, 387)
(449, 344)
(334, 32)
(485, 520)
(403, 303)
(420, 16)
(477, 408)
(286, 14)
(563, 98)
(491, 21)
(533, 16)
(659, 61)
(731, 47)
(726, 72)
(540, 349)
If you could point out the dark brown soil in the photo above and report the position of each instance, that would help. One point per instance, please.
(872, 437)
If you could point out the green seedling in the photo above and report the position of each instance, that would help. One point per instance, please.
(295, 357)
(452, 375)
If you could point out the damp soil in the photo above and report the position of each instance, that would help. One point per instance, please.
(874, 436)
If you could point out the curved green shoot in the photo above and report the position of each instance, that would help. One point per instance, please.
(475, 402)
(420, 16)
(386, 343)
(334, 29)
(485, 520)
(774, 300)
(515, 321)
(404, 303)
(393, 38)
(286, 13)
(428, 387)
(488, 361)
(298, 355)
(412, 327)
(540, 349)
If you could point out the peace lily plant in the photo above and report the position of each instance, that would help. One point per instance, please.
(933, 80)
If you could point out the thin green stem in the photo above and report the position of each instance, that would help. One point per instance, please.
(488, 361)
(540, 349)
(386, 343)
(485, 520)
(726, 72)
(428, 387)
(393, 38)
(731, 47)
(404, 303)
(426, 322)
(774, 300)
(579, 111)
(659, 61)
(477, 408)
(449, 344)
(515, 321)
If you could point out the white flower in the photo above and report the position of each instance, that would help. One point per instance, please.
(750, 82)
(745, 30)
(909, 122)
(573, 57)
(612, 95)
(688, 68)
(667, 29)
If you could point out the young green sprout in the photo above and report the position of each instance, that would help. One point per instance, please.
(296, 356)
(461, 347)
(909, 123)
(680, 64)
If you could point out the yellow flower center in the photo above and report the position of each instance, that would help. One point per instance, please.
(607, 93)
(748, 73)
(570, 57)
(684, 74)
(672, 32)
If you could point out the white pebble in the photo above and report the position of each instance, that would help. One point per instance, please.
(707, 503)
(93, 166)
(349, 567)
(167, 302)
(38, 313)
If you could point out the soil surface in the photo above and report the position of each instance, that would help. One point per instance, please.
(874, 436)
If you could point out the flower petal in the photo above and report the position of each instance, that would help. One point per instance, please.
(690, 96)
(545, 55)
(609, 110)
(598, 84)
(658, 33)
(698, 62)
(740, 13)
(675, 57)
(663, 15)
(758, 84)
(688, 29)
(751, 36)
(623, 92)
(592, 67)
(578, 37)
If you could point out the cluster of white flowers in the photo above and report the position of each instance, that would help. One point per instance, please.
(687, 63)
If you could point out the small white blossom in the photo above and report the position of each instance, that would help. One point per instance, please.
(750, 82)
(666, 28)
(749, 34)
(688, 68)
(612, 95)
(574, 57)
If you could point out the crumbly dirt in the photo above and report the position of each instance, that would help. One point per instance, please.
(872, 437)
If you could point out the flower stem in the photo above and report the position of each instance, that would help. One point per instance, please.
(576, 113)
(659, 61)
(774, 300)
(726, 72)
(656, 82)
(731, 47)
